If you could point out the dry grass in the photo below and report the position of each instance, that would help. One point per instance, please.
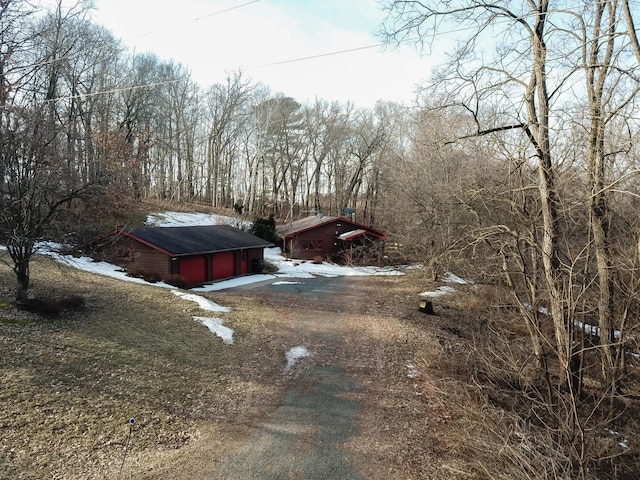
(71, 384)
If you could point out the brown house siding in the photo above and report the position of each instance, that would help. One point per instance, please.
(151, 260)
(254, 254)
(322, 239)
(129, 253)
(313, 243)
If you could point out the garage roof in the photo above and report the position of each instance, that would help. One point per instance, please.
(193, 240)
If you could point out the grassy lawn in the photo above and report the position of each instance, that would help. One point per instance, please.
(70, 385)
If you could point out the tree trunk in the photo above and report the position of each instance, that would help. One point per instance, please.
(597, 71)
(21, 252)
(538, 110)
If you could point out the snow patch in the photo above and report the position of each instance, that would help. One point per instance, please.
(293, 355)
(234, 282)
(283, 282)
(438, 292)
(412, 371)
(453, 278)
(202, 302)
(623, 442)
(216, 327)
(183, 219)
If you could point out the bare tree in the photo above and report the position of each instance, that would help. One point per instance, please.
(323, 125)
(228, 107)
(509, 90)
(555, 246)
(38, 181)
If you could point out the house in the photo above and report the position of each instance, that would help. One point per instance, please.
(197, 254)
(336, 238)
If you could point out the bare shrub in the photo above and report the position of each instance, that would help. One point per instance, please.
(176, 281)
(269, 267)
(146, 275)
(532, 427)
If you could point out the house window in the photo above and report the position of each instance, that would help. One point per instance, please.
(312, 244)
(125, 254)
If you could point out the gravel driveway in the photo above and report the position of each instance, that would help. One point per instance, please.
(303, 437)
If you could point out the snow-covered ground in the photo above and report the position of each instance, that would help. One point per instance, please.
(438, 292)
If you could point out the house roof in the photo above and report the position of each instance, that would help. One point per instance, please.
(193, 240)
(309, 223)
(348, 236)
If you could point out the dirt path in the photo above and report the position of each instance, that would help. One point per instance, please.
(348, 411)
(304, 437)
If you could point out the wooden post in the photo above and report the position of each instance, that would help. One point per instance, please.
(426, 307)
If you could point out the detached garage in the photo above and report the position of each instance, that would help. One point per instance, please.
(197, 254)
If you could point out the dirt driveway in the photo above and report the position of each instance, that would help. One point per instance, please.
(354, 409)
(304, 437)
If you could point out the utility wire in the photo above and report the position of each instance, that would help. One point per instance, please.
(114, 90)
(329, 54)
(196, 19)
(152, 32)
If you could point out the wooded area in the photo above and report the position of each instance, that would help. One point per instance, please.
(520, 166)
(145, 125)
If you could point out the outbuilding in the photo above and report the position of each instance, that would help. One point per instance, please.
(337, 238)
(197, 254)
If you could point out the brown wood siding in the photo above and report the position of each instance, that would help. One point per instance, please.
(304, 244)
(252, 255)
(146, 258)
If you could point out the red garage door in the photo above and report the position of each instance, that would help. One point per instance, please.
(194, 269)
(224, 265)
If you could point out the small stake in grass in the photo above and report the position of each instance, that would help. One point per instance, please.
(126, 446)
(426, 307)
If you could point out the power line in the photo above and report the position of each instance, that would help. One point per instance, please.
(196, 19)
(320, 55)
(271, 64)
(115, 90)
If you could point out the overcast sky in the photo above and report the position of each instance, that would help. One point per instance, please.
(267, 39)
